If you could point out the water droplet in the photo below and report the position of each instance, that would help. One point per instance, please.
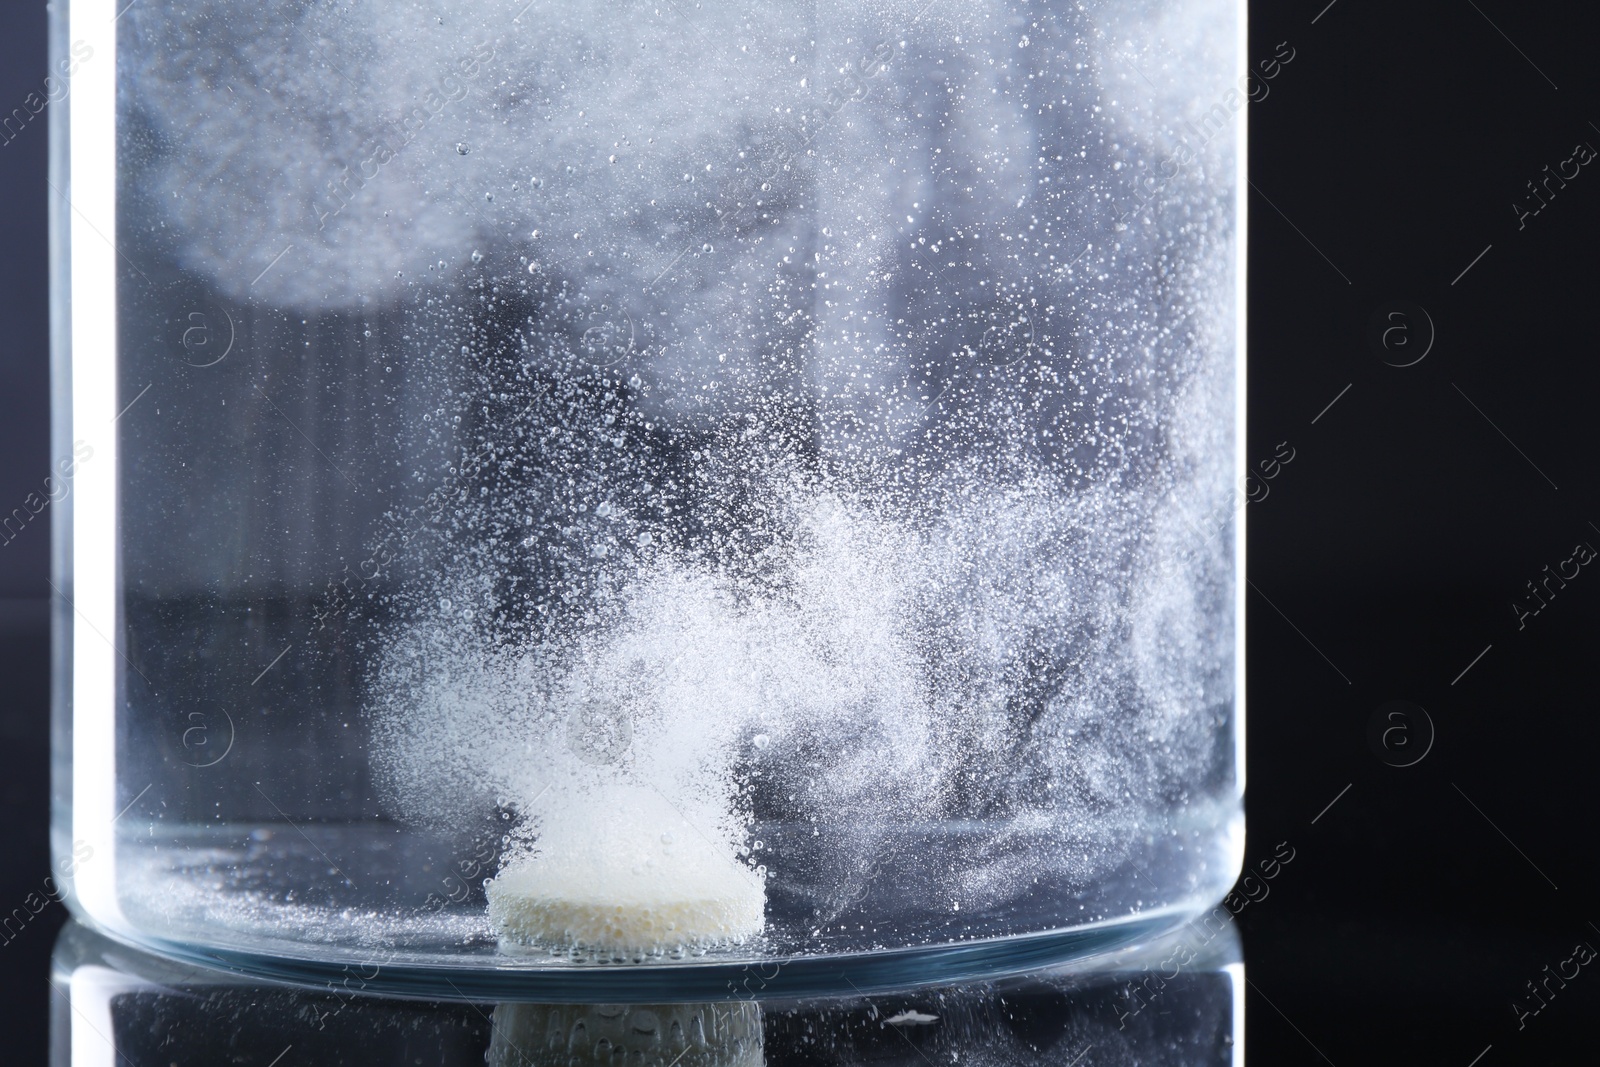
(666, 838)
(533, 268)
(462, 149)
(444, 603)
(603, 509)
(706, 248)
(645, 539)
(761, 740)
(477, 256)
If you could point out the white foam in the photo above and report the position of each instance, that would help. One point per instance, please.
(631, 876)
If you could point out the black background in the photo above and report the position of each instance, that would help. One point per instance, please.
(1387, 156)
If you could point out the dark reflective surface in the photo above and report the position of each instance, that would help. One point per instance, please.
(1174, 1001)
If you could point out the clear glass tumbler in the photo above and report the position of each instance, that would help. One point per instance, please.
(647, 495)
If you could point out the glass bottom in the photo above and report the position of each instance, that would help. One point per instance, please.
(804, 976)
(158, 1012)
(361, 904)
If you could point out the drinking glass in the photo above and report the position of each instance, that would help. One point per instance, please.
(650, 494)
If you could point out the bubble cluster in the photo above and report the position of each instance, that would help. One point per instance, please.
(836, 413)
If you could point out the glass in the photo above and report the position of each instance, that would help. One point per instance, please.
(641, 496)
(111, 1004)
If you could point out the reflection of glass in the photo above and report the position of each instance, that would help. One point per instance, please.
(113, 1004)
(728, 1034)
(649, 493)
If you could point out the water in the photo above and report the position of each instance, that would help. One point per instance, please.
(807, 428)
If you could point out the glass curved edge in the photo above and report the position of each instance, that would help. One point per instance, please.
(1078, 948)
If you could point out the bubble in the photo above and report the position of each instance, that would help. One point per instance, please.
(477, 256)
(761, 740)
(462, 149)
